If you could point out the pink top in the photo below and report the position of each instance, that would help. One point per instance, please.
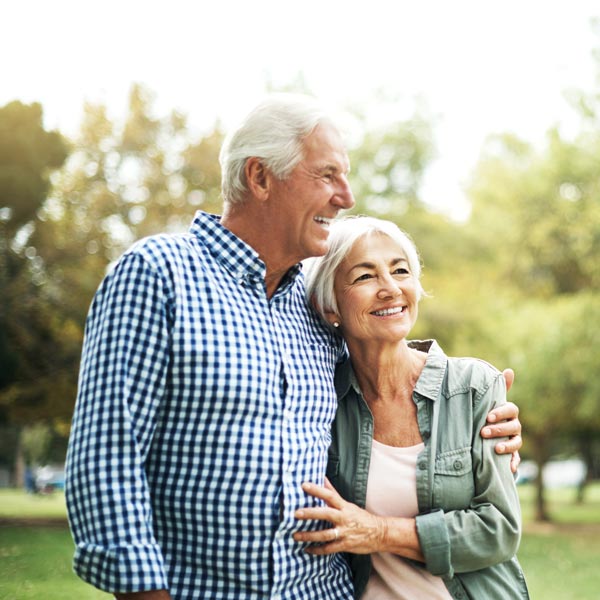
(392, 492)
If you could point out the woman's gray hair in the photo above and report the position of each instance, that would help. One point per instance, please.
(320, 271)
(274, 132)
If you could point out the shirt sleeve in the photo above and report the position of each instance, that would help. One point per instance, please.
(488, 531)
(121, 386)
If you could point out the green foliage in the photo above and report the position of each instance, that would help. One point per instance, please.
(536, 213)
(35, 440)
(388, 164)
(121, 182)
(27, 154)
(542, 209)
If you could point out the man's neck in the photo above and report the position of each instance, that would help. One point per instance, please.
(250, 228)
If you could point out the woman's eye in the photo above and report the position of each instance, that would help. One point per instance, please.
(363, 277)
(401, 271)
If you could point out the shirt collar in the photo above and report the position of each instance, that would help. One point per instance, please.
(235, 255)
(428, 384)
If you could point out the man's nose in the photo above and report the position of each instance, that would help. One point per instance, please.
(344, 198)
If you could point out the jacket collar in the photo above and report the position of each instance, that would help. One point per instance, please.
(429, 382)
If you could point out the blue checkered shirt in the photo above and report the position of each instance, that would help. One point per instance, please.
(202, 407)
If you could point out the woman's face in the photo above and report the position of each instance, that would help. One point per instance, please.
(376, 292)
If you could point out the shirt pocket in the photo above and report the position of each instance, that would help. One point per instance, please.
(453, 482)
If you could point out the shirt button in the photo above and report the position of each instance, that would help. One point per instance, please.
(288, 415)
(287, 477)
(422, 465)
(458, 465)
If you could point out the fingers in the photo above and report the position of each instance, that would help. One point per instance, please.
(328, 541)
(509, 377)
(503, 412)
(322, 536)
(506, 429)
(509, 446)
(328, 493)
(318, 513)
(515, 461)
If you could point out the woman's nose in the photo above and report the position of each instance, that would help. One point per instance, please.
(389, 288)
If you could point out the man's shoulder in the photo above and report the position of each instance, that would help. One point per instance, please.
(164, 250)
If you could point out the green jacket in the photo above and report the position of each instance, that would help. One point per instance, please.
(469, 521)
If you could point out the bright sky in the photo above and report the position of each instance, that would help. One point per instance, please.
(483, 66)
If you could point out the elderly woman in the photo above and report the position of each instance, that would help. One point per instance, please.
(426, 508)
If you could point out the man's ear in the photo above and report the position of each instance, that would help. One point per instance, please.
(257, 178)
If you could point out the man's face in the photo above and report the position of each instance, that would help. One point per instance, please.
(317, 189)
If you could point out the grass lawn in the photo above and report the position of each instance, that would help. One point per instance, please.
(17, 504)
(35, 563)
(560, 560)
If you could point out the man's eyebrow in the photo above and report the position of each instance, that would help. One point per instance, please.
(331, 168)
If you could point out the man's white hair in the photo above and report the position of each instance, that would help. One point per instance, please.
(274, 132)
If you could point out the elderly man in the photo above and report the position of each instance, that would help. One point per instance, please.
(206, 387)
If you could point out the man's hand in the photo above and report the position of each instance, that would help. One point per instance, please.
(504, 422)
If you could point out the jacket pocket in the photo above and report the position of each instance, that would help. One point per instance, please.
(333, 468)
(453, 482)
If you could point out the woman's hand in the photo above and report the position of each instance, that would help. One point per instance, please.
(354, 529)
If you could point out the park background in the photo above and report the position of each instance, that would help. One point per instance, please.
(473, 125)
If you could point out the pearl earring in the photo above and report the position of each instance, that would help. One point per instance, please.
(336, 324)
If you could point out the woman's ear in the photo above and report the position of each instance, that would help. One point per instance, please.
(257, 178)
(330, 316)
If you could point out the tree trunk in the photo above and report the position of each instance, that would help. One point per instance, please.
(19, 473)
(541, 456)
(587, 454)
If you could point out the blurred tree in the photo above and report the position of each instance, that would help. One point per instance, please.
(28, 154)
(535, 238)
(550, 199)
(36, 441)
(120, 183)
(388, 160)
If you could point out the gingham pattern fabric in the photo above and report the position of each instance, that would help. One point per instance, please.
(202, 408)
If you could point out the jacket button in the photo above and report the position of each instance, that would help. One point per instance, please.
(458, 465)
(422, 465)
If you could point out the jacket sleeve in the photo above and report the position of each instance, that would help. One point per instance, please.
(488, 530)
(121, 385)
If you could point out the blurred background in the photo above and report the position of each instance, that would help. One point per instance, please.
(473, 125)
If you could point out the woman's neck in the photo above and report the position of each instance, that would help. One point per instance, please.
(387, 372)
